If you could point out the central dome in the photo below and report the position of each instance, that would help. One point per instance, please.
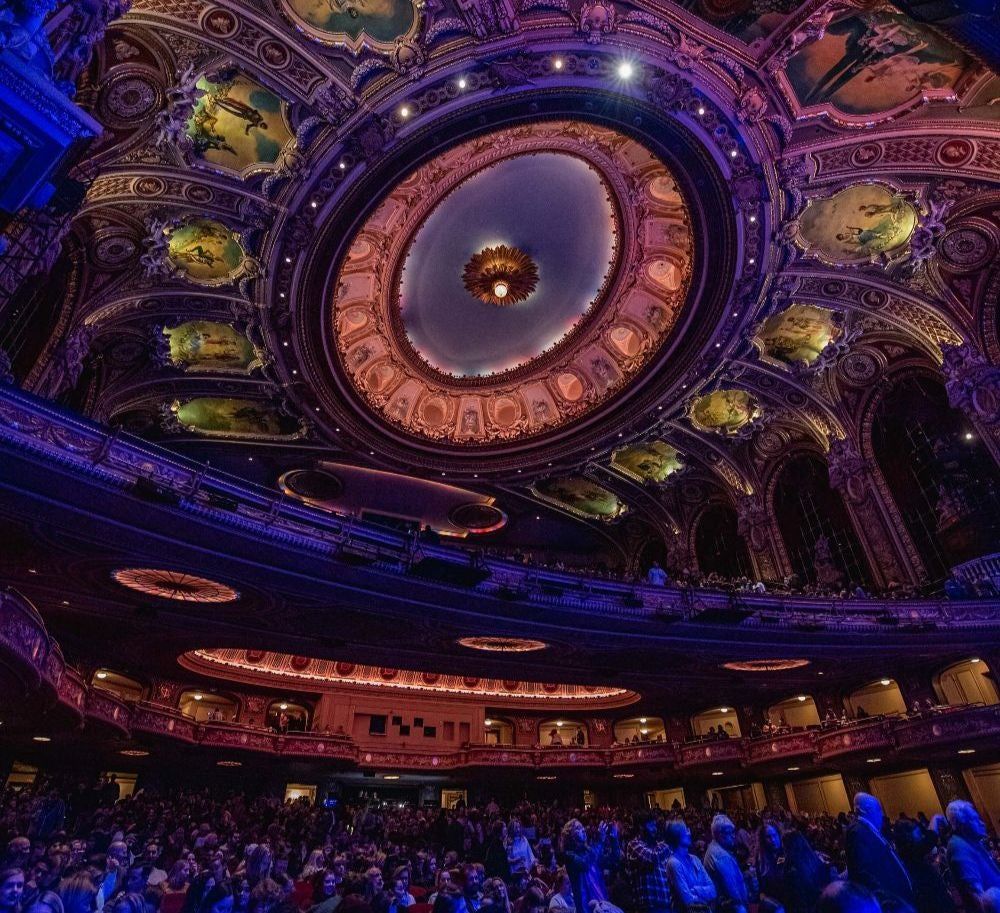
(513, 283)
(553, 209)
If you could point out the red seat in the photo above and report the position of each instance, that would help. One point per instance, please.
(419, 907)
(419, 893)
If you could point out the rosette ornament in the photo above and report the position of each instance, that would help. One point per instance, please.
(500, 275)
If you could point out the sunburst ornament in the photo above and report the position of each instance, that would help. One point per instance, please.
(174, 585)
(500, 275)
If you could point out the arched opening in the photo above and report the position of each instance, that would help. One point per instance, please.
(498, 731)
(718, 546)
(563, 731)
(797, 712)
(205, 707)
(287, 716)
(944, 482)
(640, 730)
(967, 682)
(128, 689)
(719, 722)
(815, 526)
(881, 698)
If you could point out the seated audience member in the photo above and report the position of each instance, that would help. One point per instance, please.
(724, 868)
(531, 901)
(324, 895)
(562, 894)
(78, 893)
(46, 902)
(872, 860)
(690, 885)
(11, 889)
(973, 869)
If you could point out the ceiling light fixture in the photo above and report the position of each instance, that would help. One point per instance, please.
(390, 776)
(793, 769)
(718, 773)
(701, 110)
(801, 698)
(557, 63)
(966, 750)
(885, 682)
(723, 710)
(404, 112)
(41, 738)
(199, 697)
(873, 761)
(975, 660)
(282, 706)
(625, 70)
(228, 763)
(462, 83)
(102, 675)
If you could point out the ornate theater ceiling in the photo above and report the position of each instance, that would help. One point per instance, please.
(604, 264)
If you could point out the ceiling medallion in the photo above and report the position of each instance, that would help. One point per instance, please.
(604, 298)
(766, 665)
(500, 275)
(502, 644)
(174, 585)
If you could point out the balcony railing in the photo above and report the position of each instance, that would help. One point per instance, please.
(30, 424)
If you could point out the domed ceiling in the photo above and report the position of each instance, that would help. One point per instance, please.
(583, 234)
(601, 266)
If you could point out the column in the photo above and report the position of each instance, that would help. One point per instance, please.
(888, 547)
(760, 532)
(973, 387)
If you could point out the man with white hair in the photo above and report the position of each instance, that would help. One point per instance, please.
(872, 860)
(724, 867)
(972, 867)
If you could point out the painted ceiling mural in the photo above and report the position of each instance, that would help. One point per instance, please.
(550, 254)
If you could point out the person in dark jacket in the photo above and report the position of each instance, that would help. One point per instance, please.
(915, 843)
(872, 860)
(805, 875)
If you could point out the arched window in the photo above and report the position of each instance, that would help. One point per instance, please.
(795, 713)
(562, 731)
(716, 721)
(206, 707)
(816, 527)
(718, 546)
(937, 471)
(498, 731)
(967, 682)
(287, 716)
(128, 689)
(880, 698)
(639, 730)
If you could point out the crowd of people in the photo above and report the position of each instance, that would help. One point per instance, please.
(83, 850)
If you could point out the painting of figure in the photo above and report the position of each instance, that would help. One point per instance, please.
(798, 334)
(725, 411)
(865, 64)
(205, 250)
(206, 346)
(237, 123)
(381, 20)
(859, 223)
(227, 417)
(651, 462)
(580, 496)
(748, 20)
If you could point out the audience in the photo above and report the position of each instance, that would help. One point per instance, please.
(197, 852)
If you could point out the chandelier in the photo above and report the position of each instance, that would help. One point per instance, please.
(500, 275)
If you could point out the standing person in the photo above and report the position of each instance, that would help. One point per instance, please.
(974, 870)
(691, 886)
(805, 875)
(871, 859)
(519, 852)
(646, 860)
(915, 844)
(583, 861)
(724, 868)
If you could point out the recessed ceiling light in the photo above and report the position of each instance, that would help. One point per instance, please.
(228, 763)
(966, 750)
(404, 111)
(723, 710)
(489, 722)
(314, 204)
(801, 697)
(642, 719)
(733, 153)
(462, 83)
(794, 768)
(968, 435)
(874, 760)
(32, 570)
(390, 776)
(198, 697)
(133, 753)
(288, 259)
(753, 219)
(624, 776)
(102, 675)
(718, 773)
(625, 70)
(343, 165)
(545, 778)
(885, 682)
(701, 109)
(975, 660)
(557, 63)
(41, 738)
(282, 706)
